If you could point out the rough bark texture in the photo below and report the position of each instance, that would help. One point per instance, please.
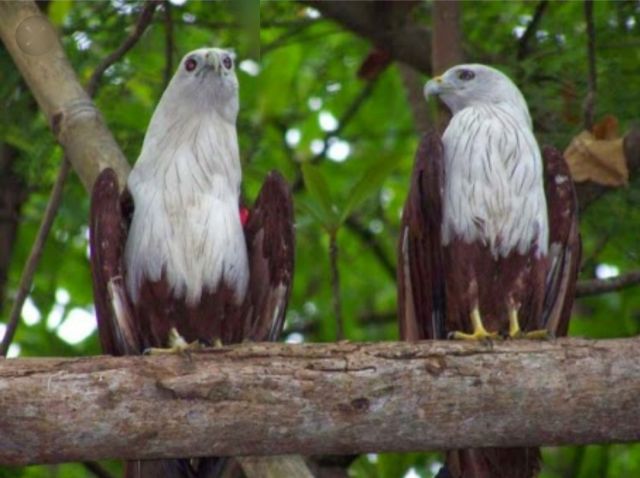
(73, 118)
(265, 399)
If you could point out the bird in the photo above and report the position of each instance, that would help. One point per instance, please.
(489, 245)
(177, 260)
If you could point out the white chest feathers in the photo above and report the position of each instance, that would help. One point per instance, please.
(186, 224)
(494, 190)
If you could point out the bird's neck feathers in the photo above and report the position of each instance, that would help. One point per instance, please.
(189, 150)
(509, 99)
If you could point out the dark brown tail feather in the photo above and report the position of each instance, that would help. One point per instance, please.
(492, 463)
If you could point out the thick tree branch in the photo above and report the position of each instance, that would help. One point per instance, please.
(74, 120)
(447, 47)
(447, 35)
(406, 41)
(335, 398)
(602, 286)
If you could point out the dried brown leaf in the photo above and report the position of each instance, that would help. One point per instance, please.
(598, 156)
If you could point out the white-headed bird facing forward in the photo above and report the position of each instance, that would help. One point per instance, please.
(486, 250)
(174, 258)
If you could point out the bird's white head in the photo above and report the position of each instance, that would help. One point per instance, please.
(205, 80)
(466, 85)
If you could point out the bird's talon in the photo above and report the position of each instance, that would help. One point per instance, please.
(478, 335)
(542, 334)
(177, 346)
(479, 332)
(216, 343)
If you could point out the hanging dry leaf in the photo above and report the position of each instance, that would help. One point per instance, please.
(598, 155)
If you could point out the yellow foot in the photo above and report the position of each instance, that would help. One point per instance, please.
(516, 333)
(216, 343)
(479, 332)
(177, 346)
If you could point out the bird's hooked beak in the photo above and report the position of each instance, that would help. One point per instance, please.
(436, 86)
(212, 61)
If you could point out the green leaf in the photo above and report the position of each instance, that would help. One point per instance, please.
(59, 10)
(368, 184)
(318, 189)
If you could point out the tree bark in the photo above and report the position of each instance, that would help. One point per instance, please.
(13, 193)
(406, 41)
(447, 47)
(73, 118)
(264, 399)
(447, 37)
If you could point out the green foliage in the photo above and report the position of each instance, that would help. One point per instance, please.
(347, 146)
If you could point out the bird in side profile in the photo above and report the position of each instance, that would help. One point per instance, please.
(175, 260)
(489, 243)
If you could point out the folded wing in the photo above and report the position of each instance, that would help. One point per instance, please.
(564, 243)
(270, 243)
(107, 237)
(421, 299)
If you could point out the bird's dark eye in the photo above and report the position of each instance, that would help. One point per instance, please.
(190, 64)
(466, 75)
(227, 62)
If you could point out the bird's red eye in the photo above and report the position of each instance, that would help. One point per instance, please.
(466, 75)
(227, 62)
(190, 64)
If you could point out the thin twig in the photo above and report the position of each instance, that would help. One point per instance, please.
(343, 121)
(523, 43)
(34, 256)
(346, 117)
(283, 39)
(97, 469)
(602, 286)
(589, 103)
(589, 261)
(168, 44)
(369, 239)
(335, 285)
(348, 114)
(141, 25)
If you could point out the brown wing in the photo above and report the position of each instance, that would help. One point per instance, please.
(420, 276)
(107, 237)
(270, 244)
(564, 243)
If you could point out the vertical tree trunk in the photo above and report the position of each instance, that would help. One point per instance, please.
(447, 45)
(13, 193)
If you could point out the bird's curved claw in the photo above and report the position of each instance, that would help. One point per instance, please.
(479, 332)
